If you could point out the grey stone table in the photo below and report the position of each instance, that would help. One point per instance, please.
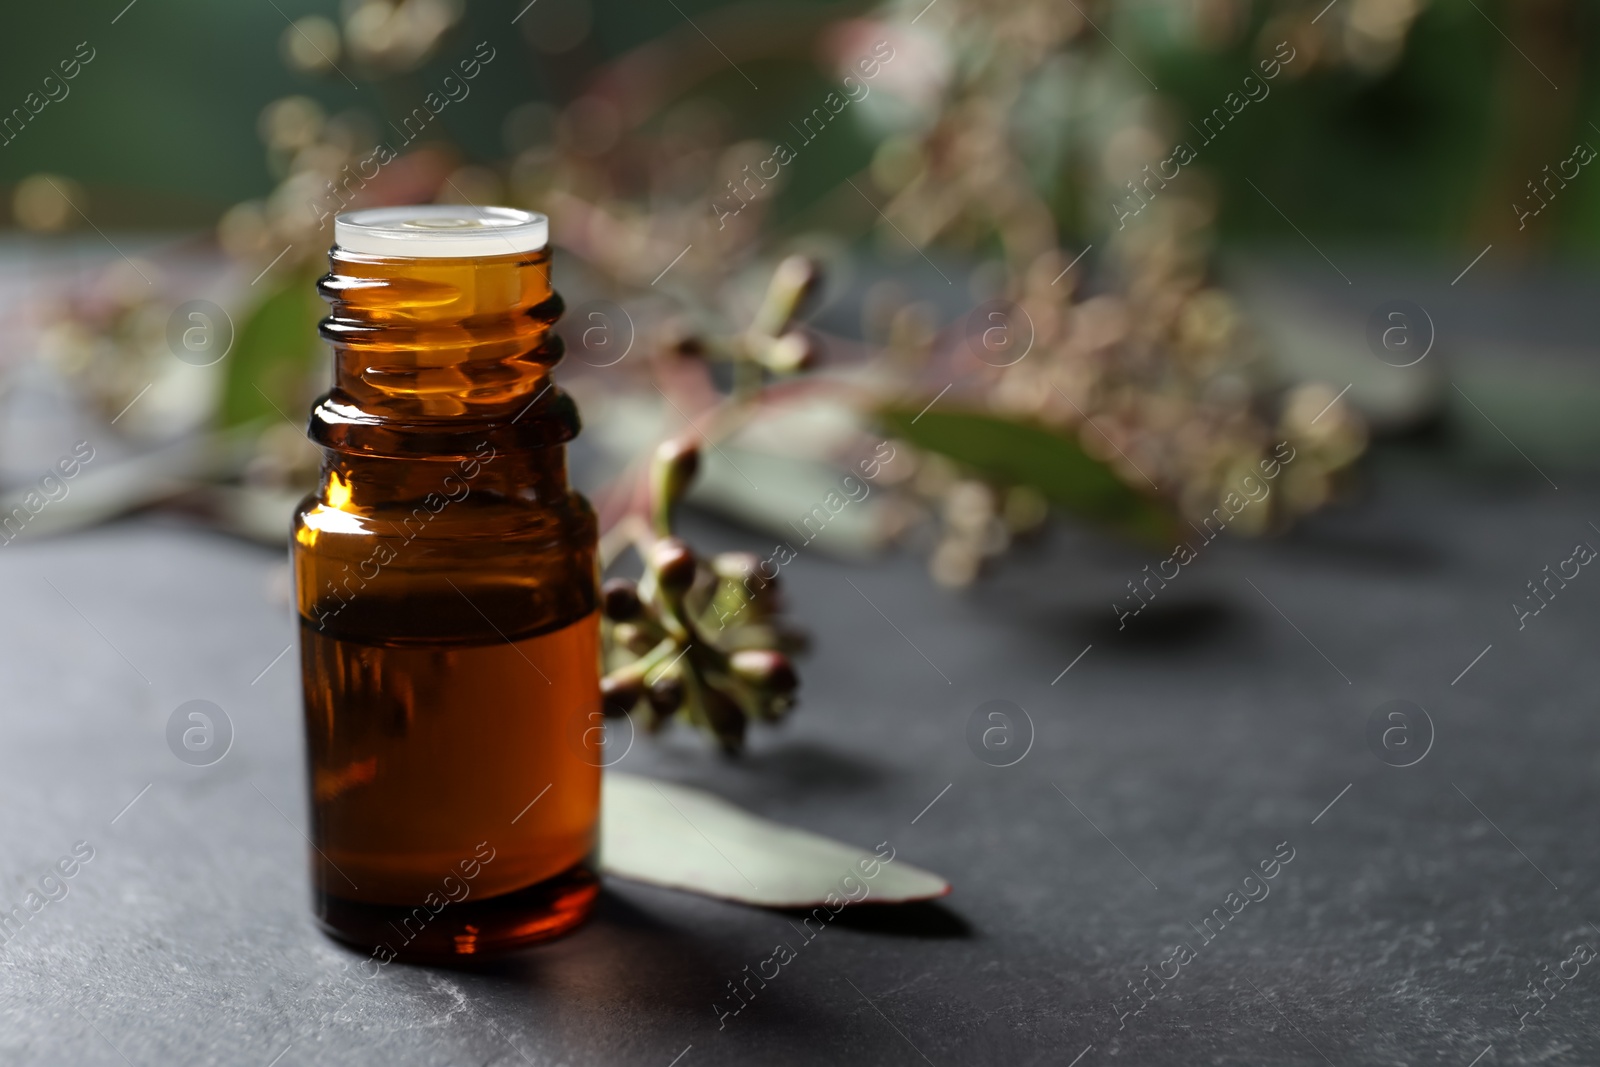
(1225, 725)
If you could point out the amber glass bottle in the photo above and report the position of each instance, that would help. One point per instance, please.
(446, 585)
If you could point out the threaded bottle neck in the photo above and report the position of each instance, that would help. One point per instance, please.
(433, 356)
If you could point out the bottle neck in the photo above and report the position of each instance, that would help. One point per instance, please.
(440, 358)
(366, 482)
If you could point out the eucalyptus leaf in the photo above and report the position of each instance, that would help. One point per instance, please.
(684, 838)
(1023, 453)
(273, 355)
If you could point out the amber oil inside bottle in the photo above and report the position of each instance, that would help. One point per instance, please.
(445, 578)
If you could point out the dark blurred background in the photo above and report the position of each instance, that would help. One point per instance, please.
(1414, 139)
(1430, 152)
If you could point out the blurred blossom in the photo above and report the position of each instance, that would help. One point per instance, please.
(244, 232)
(974, 530)
(897, 161)
(1332, 430)
(1157, 376)
(1367, 36)
(397, 37)
(289, 208)
(955, 562)
(997, 125)
(311, 44)
(919, 71)
(325, 167)
(1309, 40)
(1131, 147)
(1375, 32)
(43, 203)
(290, 124)
(108, 338)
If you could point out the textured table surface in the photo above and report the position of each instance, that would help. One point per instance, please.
(1172, 759)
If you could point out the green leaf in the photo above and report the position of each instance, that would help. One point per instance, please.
(682, 838)
(1021, 453)
(273, 355)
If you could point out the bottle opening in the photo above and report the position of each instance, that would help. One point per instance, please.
(441, 230)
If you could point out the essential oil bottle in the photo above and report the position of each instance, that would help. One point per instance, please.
(446, 585)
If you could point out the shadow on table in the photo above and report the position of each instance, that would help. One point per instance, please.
(624, 949)
(923, 919)
(663, 970)
(1160, 627)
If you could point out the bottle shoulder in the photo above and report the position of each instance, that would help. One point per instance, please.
(384, 572)
(471, 517)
